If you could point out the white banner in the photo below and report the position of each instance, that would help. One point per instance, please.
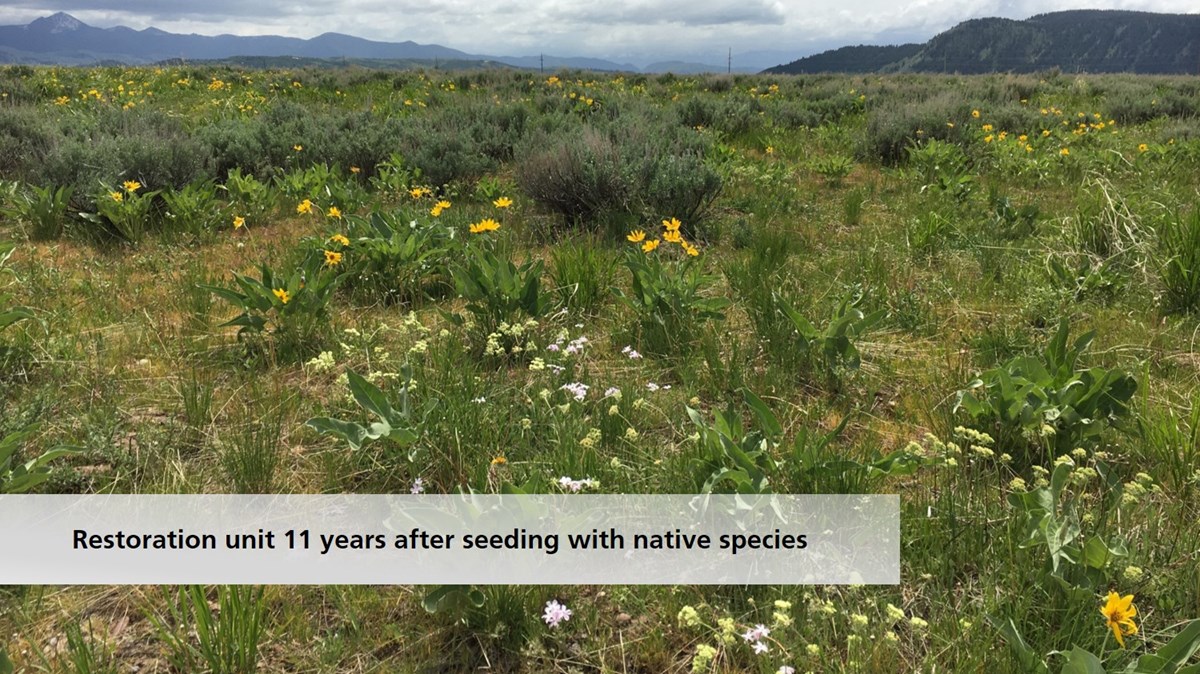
(450, 539)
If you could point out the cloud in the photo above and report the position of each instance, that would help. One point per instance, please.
(664, 12)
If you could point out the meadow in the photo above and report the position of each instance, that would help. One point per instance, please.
(979, 293)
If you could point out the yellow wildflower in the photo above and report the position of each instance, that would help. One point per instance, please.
(987, 127)
(117, 196)
(1119, 613)
(1064, 152)
(672, 236)
(975, 114)
(238, 222)
(304, 206)
(502, 202)
(485, 225)
(355, 170)
(672, 225)
(690, 249)
(636, 236)
(132, 186)
(650, 245)
(334, 212)
(1143, 147)
(282, 295)
(297, 148)
(499, 461)
(332, 258)
(340, 239)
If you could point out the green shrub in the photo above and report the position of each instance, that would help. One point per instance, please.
(284, 316)
(669, 298)
(42, 209)
(892, 129)
(1048, 401)
(394, 262)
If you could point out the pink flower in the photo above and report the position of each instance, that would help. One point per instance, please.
(555, 613)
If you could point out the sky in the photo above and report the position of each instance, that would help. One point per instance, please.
(629, 31)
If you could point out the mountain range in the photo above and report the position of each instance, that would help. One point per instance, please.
(1073, 41)
(63, 39)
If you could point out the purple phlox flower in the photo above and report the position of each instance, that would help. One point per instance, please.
(555, 613)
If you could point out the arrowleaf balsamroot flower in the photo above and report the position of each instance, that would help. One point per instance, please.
(1119, 613)
(238, 222)
(282, 295)
(485, 225)
(304, 206)
(636, 236)
(334, 212)
(502, 202)
(650, 245)
(340, 239)
(332, 258)
(672, 225)
(132, 186)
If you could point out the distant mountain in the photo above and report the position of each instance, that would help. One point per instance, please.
(1074, 41)
(63, 39)
(860, 59)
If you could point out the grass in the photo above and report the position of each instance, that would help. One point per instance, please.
(125, 357)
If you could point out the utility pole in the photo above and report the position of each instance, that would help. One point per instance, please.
(729, 62)
(542, 63)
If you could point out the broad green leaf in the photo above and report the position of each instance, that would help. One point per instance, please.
(1079, 661)
(347, 430)
(370, 397)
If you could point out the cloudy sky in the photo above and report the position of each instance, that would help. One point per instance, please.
(634, 31)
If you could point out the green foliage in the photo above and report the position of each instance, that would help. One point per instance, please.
(640, 166)
(733, 459)
(583, 275)
(1029, 401)
(392, 261)
(1171, 658)
(16, 477)
(252, 199)
(9, 314)
(194, 209)
(497, 290)
(831, 350)
(124, 213)
(892, 129)
(87, 653)
(252, 455)
(292, 310)
(1180, 271)
(1049, 519)
(669, 299)
(224, 639)
(833, 169)
(43, 209)
(396, 423)
(942, 166)
(1086, 278)
(1012, 222)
